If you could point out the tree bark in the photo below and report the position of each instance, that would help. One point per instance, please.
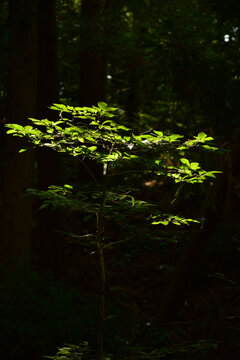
(48, 164)
(93, 64)
(50, 245)
(19, 168)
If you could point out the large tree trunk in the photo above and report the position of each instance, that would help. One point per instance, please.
(93, 65)
(3, 84)
(18, 171)
(47, 56)
(48, 167)
(135, 74)
(50, 245)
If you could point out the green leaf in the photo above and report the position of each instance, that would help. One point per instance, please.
(185, 161)
(211, 148)
(68, 186)
(202, 136)
(17, 127)
(94, 122)
(102, 105)
(174, 137)
(194, 166)
(212, 173)
(22, 150)
(159, 133)
(59, 107)
(182, 148)
(162, 222)
(112, 108)
(108, 114)
(92, 148)
(73, 129)
(122, 127)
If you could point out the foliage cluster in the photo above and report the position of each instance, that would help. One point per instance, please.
(90, 133)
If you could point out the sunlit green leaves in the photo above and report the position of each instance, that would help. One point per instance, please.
(173, 138)
(103, 106)
(166, 219)
(71, 352)
(203, 137)
(198, 140)
(193, 166)
(90, 132)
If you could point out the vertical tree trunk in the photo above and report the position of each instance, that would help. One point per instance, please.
(135, 70)
(47, 56)
(48, 167)
(3, 82)
(18, 171)
(49, 247)
(93, 64)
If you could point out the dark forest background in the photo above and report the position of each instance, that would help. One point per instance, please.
(172, 65)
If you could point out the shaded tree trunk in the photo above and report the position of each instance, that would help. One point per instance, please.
(3, 83)
(50, 245)
(18, 170)
(93, 64)
(135, 73)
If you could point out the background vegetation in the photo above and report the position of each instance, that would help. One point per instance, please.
(171, 292)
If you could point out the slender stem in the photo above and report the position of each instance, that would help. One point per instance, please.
(120, 241)
(89, 171)
(99, 239)
(102, 304)
(127, 172)
(100, 246)
(103, 276)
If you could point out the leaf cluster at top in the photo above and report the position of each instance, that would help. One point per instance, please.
(90, 132)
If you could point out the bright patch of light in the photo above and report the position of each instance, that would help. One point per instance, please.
(226, 38)
(109, 77)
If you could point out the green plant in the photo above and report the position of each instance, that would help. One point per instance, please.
(71, 352)
(91, 133)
